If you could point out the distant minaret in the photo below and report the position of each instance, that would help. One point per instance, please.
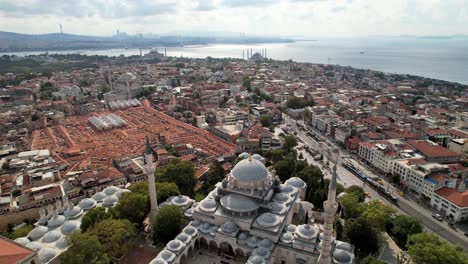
(150, 168)
(329, 206)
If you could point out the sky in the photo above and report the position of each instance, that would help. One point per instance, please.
(301, 18)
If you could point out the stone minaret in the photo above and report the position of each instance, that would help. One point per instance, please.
(329, 206)
(150, 168)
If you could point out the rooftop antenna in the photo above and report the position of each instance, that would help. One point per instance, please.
(329, 60)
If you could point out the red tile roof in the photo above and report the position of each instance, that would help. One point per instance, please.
(458, 133)
(12, 252)
(455, 197)
(432, 151)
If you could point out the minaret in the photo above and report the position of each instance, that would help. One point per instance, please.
(150, 168)
(330, 206)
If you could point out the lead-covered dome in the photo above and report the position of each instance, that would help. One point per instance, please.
(249, 170)
(238, 205)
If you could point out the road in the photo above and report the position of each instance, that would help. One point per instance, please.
(346, 178)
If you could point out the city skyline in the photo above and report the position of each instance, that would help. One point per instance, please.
(317, 18)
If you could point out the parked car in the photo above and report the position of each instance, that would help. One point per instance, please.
(437, 216)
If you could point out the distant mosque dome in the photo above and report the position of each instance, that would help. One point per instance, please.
(244, 155)
(249, 170)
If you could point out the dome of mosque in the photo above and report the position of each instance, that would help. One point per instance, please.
(36, 246)
(46, 254)
(190, 231)
(70, 227)
(87, 204)
(244, 155)
(290, 228)
(278, 208)
(229, 227)
(73, 211)
(166, 255)
(205, 228)
(238, 203)
(341, 256)
(37, 232)
(258, 157)
(344, 246)
(110, 200)
(296, 182)
(56, 220)
(99, 196)
(262, 252)
(306, 232)
(287, 189)
(51, 236)
(249, 170)
(268, 220)
(252, 242)
(120, 192)
(174, 245)
(158, 261)
(287, 238)
(282, 198)
(180, 200)
(61, 243)
(256, 260)
(265, 243)
(183, 238)
(208, 205)
(22, 241)
(195, 223)
(110, 190)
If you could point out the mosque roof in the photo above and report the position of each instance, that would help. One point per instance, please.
(249, 170)
(238, 203)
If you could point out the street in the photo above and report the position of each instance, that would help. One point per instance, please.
(346, 178)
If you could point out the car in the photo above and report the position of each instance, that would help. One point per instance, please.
(437, 216)
(367, 194)
(401, 193)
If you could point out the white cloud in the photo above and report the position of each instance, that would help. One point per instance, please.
(280, 17)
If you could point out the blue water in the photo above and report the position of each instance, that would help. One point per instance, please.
(445, 59)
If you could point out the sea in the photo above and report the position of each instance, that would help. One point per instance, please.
(438, 58)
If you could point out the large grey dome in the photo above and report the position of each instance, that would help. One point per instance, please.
(268, 220)
(36, 246)
(73, 211)
(306, 232)
(87, 204)
(296, 182)
(51, 236)
(99, 196)
(110, 201)
(238, 203)
(38, 232)
(22, 240)
(70, 227)
(46, 254)
(341, 256)
(110, 190)
(56, 220)
(249, 170)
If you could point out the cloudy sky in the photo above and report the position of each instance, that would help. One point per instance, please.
(309, 18)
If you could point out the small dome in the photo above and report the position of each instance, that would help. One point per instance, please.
(282, 198)
(46, 254)
(166, 255)
(56, 220)
(120, 192)
(158, 261)
(238, 203)
(195, 223)
(61, 243)
(70, 227)
(288, 189)
(265, 243)
(99, 196)
(256, 260)
(205, 228)
(249, 170)
(183, 238)
(73, 212)
(180, 200)
(252, 242)
(244, 155)
(174, 245)
(208, 205)
(341, 256)
(190, 231)
(344, 246)
(229, 227)
(290, 228)
(296, 182)
(287, 238)
(87, 204)
(278, 208)
(243, 236)
(110, 190)
(306, 232)
(110, 201)
(43, 220)
(51, 236)
(268, 220)
(22, 241)
(37, 232)
(262, 252)
(36, 246)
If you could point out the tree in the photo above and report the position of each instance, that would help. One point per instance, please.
(134, 207)
(114, 235)
(84, 248)
(404, 227)
(339, 229)
(96, 215)
(361, 233)
(358, 191)
(427, 248)
(213, 176)
(283, 169)
(165, 190)
(246, 84)
(167, 223)
(290, 142)
(370, 260)
(351, 206)
(298, 103)
(21, 231)
(182, 173)
(140, 187)
(265, 120)
(377, 214)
